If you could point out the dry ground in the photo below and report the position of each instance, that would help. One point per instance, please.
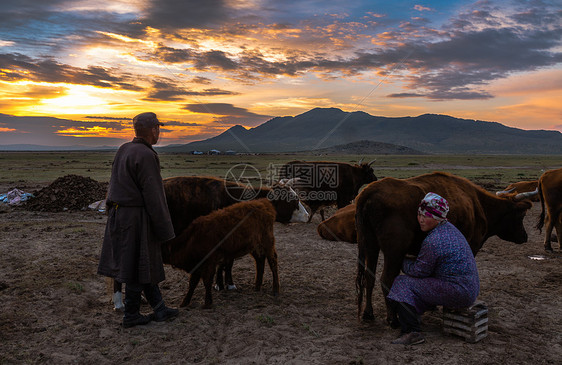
(55, 309)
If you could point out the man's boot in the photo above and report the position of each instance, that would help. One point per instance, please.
(132, 315)
(161, 312)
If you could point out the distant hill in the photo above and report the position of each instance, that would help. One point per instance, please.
(367, 148)
(430, 133)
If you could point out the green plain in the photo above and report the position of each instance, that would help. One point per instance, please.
(41, 168)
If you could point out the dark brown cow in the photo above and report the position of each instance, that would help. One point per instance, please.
(550, 194)
(386, 220)
(323, 183)
(190, 197)
(340, 226)
(521, 187)
(224, 235)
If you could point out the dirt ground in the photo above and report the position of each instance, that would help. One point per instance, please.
(56, 309)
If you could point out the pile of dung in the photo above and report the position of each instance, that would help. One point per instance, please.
(70, 192)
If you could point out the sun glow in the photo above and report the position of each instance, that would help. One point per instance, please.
(82, 99)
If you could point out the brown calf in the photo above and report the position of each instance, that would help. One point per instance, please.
(222, 236)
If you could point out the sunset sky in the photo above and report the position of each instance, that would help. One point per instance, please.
(203, 66)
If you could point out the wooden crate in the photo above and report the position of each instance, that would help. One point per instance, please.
(470, 323)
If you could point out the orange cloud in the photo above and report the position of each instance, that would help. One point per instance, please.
(421, 8)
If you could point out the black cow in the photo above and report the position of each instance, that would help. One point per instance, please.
(323, 183)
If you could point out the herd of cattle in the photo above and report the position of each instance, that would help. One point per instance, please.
(217, 221)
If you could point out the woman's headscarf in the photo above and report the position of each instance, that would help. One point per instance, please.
(434, 206)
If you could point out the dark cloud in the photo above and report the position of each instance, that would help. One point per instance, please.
(445, 69)
(22, 67)
(227, 114)
(405, 95)
(106, 118)
(461, 94)
(180, 14)
(211, 92)
(215, 59)
(201, 80)
(167, 90)
(37, 27)
(539, 16)
(22, 11)
(174, 55)
(220, 109)
(182, 124)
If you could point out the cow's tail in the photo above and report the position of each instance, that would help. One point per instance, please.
(540, 222)
(361, 249)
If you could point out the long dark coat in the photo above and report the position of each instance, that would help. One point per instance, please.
(138, 217)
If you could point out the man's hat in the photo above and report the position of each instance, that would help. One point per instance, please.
(146, 120)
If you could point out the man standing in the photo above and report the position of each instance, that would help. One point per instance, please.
(138, 222)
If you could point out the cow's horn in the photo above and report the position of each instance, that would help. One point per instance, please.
(526, 195)
(503, 192)
(372, 162)
(361, 160)
(288, 182)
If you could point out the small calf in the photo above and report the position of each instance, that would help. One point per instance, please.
(222, 236)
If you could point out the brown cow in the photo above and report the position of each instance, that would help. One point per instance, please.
(224, 235)
(190, 197)
(522, 187)
(340, 226)
(550, 195)
(323, 183)
(386, 221)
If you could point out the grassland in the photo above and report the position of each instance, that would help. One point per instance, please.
(41, 168)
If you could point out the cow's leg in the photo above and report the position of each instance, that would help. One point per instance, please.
(370, 270)
(208, 274)
(228, 275)
(219, 279)
(549, 227)
(390, 271)
(312, 211)
(559, 231)
(272, 261)
(193, 281)
(260, 265)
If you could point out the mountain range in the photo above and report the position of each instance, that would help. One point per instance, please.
(429, 133)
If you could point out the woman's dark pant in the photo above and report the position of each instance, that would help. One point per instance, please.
(407, 316)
